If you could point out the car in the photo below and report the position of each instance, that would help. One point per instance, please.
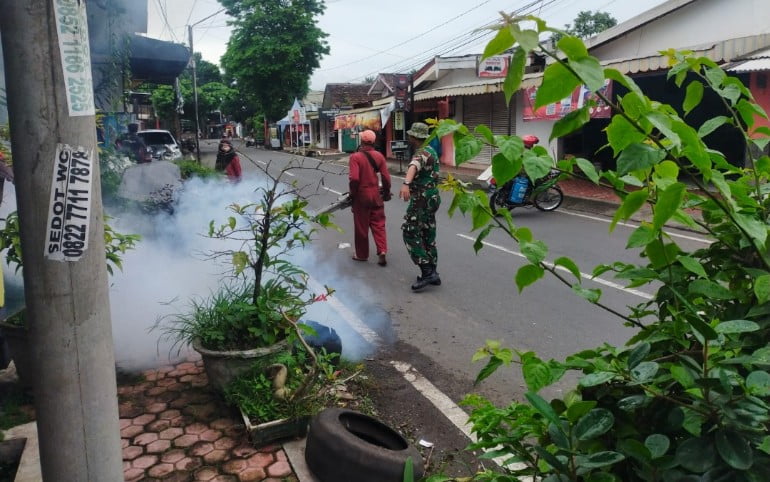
(162, 144)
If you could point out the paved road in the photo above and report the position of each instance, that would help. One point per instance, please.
(440, 329)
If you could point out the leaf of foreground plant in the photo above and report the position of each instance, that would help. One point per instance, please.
(528, 274)
(734, 449)
(657, 444)
(596, 422)
(600, 459)
(696, 455)
(736, 326)
(758, 383)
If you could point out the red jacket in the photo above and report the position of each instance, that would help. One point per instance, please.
(364, 184)
(233, 169)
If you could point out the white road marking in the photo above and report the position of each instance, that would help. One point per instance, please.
(290, 174)
(586, 276)
(331, 190)
(630, 225)
(354, 321)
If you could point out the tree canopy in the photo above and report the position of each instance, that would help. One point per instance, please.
(274, 47)
(588, 23)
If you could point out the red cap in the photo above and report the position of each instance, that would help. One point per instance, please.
(530, 141)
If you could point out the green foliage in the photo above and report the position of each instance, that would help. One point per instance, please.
(273, 50)
(116, 244)
(587, 24)
(190, 168)
(688, 397)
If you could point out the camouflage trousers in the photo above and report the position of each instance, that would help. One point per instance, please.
(419, 227)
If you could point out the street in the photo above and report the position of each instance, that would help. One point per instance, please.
(441, 328)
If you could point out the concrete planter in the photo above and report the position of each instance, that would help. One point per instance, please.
(268, 432)
(222, 367)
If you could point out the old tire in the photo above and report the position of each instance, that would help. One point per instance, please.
(344, 444)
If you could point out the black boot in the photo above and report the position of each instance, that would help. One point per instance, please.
(428, 277)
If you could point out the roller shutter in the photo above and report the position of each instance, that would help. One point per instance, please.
(490, 110)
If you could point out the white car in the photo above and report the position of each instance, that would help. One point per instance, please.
(162, 144)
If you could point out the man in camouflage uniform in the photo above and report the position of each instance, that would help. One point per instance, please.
(420, 189)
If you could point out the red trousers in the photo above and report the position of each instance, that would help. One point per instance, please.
(365, 218)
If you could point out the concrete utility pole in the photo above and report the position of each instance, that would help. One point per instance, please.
(47, 61)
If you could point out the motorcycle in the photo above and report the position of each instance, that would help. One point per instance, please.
(544, 194)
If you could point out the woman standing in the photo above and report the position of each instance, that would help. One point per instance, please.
(228, 161)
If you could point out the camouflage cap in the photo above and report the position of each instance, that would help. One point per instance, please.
(419, 130)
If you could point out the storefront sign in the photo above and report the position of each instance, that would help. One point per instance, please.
(328, 113)
(69, 213)
(494, 67)
(559, 109)
(398, 120)
(364, 120)
(399, 145)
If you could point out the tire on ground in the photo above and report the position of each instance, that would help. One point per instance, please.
(344, 444)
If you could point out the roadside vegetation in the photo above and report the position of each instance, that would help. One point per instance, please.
(688, 396)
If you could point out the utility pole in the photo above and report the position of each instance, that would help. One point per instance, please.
(50, 102)
(195, 95)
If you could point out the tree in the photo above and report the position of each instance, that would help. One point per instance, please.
(588, 24)
(274, 48)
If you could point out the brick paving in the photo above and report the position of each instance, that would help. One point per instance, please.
(174, 428)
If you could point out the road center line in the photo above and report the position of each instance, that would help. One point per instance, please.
(630, 225)
(331, 190)
(586, 276)
(350, 318)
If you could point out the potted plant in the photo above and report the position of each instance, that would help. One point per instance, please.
(251, 316)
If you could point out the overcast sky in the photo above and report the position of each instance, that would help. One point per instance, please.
(368, 37)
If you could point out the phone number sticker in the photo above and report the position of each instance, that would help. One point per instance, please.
(69, 213)
(72, 29)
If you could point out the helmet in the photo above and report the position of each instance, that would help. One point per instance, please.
(530, 141)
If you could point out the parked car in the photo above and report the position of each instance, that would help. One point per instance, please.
(162, 144)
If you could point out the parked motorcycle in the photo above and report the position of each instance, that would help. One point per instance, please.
(544, 194)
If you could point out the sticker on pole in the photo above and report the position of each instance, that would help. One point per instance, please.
(72, 30)
(69, 213)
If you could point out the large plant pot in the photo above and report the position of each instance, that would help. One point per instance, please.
(16, 339)
(264, 433)
(222, 367)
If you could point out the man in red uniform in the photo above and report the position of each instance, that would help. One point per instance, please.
(368, 204)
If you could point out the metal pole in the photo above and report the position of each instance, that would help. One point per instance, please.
(50, 103)
(195, 95)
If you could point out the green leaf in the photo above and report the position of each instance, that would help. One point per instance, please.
(693, 96)
(657, 444)
(515, 74)
(631, 403)
(663, 123)
(570, 123)
(569, 265)
(511, 147)
(755, 228)
(638, 354)
(710, 289)
(601, 459)
(638, 156)
(712, 124)
(682, 375)
(240, 261)
(528, 274)
(596, 378)
(528, 39)
(644, 371)
(668, 203)
(535, 166)
(736, 326)
(492, 365)
(762, 288)
(696, 455)
(573, 47)
(503, 170)
(693, 265)
(539, 404)
(592, 294)
(558, 83)
(536, 375)
(466, 148)
(588, 169)
(621, 134)
(630, 205)
(485, 132)
(590, 71)
(758, 383)
(534, 251)
(642, 236)
(578, 409)
(734, 449)
(593, 424)
(502, 42)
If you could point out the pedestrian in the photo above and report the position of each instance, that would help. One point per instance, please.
(133, 146)
(421, 191)
(369, 198)
(228, 161)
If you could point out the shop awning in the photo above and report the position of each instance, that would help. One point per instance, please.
(755, 62)
(157, 61)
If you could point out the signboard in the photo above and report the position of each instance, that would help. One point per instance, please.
(72, 33)
(398, 120)
(328, 113)
(69, 211)
(568, 104)
(494, 67)
(399, 146)
(364, 120)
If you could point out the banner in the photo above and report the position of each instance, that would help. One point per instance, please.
(559, 109)
(364, 120)
(494, 67)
